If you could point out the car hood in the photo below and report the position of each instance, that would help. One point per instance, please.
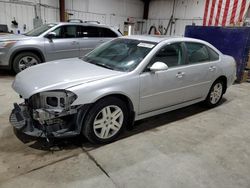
(10, 37)
(60, 74)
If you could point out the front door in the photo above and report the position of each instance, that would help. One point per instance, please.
(64, 45)
(161, 89)
(181, 83)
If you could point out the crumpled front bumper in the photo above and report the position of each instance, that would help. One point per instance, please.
(22, 121)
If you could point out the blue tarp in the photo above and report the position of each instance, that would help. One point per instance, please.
(234, 41)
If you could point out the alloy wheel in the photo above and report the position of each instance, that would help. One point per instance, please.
(216, 93)
(108, 122)
(26, 62)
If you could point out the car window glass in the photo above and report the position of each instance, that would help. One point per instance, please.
(213, 55)
(170, 54)
(105, 32)
(120, 54)
(197, 52)
(38, 31)
(68, 31)
(89, 31)
(58, 32)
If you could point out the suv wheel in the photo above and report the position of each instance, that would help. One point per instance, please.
(25, 60)
(105, 120)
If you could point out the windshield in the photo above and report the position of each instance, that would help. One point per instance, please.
(38, 31)
(120, 54)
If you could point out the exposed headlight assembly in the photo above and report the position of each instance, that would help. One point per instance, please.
(57, 99)
(51, 104)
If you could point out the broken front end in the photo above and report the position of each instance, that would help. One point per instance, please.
(49, 114)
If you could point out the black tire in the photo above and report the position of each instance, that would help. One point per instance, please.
(19, 57)
(209, 101)
(88, 125)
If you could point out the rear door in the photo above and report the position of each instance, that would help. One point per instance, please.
(202, 62)
(90, 38)
(93, 36)
(64, 45)
(106, 34)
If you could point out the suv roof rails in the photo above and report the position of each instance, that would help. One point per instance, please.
(75, 20)
(96, 22)
(80, 21)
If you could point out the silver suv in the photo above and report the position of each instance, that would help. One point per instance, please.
(52, 41)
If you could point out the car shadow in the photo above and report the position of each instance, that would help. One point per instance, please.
(6, 73)
(148, 124)
(55, 144)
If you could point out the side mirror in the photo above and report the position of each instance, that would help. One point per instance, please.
(51, 35)
(158, 66)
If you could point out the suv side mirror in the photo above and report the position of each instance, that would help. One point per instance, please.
(51, 35)
(158, 66)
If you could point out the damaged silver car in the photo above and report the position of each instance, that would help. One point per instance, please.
(124, 80)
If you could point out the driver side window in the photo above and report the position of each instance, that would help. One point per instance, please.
(171, 55)
(68, 31)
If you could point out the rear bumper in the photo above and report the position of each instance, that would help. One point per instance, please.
(21, 120)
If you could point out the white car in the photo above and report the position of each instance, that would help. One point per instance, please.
(124, 80)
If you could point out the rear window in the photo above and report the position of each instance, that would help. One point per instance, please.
(89, 31)
(105, 32)
(197, 52)
(213, 55)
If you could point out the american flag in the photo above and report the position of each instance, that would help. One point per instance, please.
(225, 12)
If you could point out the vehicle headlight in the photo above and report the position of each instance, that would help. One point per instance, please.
(57, 99)
(6, 44)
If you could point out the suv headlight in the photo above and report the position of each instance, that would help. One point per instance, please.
(57, 99)
(6, 44)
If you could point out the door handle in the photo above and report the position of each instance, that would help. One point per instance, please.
(212, 68)
(180, 74)
(74, 43)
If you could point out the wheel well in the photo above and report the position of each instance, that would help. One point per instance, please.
(35, 51)
(129, 105)
(124, 98)
(224, 80)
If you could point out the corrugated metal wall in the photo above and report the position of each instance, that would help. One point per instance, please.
(186, 12)
(24, 12)
(110, 12)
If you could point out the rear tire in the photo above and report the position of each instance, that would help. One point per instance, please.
(215, 94)
(25, 60)
(105, 120)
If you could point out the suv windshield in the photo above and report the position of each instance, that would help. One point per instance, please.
(38, 31)
(120, 54)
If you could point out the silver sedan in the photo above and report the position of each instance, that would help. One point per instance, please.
(124, 80)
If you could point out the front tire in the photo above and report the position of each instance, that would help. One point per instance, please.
(105, 120)
(25, 60)
(215, 94)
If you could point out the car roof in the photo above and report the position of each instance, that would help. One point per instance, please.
(161, 38)
(78, 23)
(149, 38)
